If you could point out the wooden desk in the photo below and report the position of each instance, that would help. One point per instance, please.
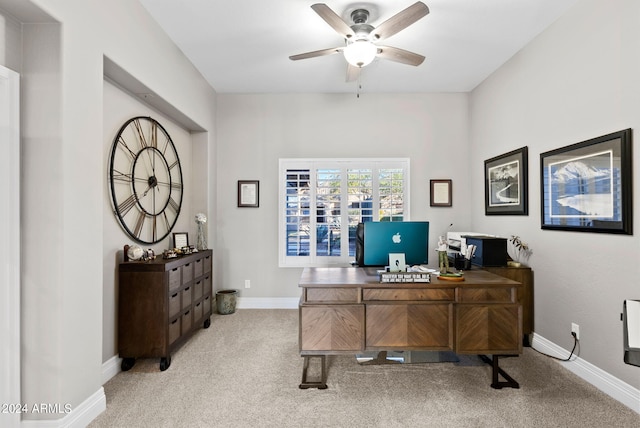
(347, 311)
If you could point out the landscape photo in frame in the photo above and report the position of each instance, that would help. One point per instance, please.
(587, 186)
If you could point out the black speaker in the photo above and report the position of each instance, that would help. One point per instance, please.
(360, 244)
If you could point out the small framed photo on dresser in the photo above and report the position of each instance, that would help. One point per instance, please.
(180, 240)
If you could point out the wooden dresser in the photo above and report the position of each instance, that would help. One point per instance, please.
(161, 303)
(348, 310)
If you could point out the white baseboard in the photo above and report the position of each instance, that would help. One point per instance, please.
(110, 368)
(79, 417)
(610, 385)
(268, 302)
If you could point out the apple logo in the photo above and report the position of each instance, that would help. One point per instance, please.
(396, 238)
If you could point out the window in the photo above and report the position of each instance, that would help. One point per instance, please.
(322, 201)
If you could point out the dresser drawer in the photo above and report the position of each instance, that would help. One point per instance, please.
(197, 268)
(207, 264)
(197, 312)
(206, 287)
(206, 305)
(332, 295)
(197, 289)
(174, 278)
(186, 322)
(174, 303)
(378, 294)
(186, 297)
(174, 330)
(187, 273)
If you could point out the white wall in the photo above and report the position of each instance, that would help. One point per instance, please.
(254, 131)
(119, 106)
(64, 198)
(578, 80)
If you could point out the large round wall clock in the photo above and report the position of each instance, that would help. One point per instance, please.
(145, 178)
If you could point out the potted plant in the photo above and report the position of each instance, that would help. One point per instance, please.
(519, 251)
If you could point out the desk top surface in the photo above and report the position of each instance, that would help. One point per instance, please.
(368, 277)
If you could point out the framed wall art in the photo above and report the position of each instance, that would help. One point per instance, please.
(248, 193)
(506, 187)
(440, 195)
(586, 186)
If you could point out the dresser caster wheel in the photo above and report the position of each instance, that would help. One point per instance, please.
(127, 363)
(207, 323)
(165, 362)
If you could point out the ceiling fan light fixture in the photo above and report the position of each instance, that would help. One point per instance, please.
(360, 53)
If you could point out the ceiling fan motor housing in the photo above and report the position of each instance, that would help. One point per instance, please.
(360, 16)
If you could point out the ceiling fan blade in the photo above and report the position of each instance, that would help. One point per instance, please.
(334, 20)
(353, 73)
(314, 54)
(400, 21)
(399, 55)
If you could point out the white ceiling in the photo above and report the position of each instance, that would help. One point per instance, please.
(243, 46)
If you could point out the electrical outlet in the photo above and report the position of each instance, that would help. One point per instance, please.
(247, 283)
(575, 328)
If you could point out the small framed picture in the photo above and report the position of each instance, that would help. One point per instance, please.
(506, 184)
(248, 193)
(180, 240)
(397, 262)
(440, 193)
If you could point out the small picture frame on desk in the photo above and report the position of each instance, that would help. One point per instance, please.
(397, 262)
(248, 193)
(180, 240)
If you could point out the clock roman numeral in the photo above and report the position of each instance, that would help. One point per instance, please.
(173, 204)
(154, 135)
(120, 176)
(177, 162)
(166, 221)
(140, 132)
(139, 223)
(127, 204)
(154, 229)
(125, 147)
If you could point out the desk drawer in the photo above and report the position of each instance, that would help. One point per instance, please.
(332, 295)
(486, 295)
(378, 294)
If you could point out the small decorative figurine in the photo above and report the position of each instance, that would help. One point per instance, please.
(443, 259)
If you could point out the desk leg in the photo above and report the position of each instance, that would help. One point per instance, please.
(322, 384)
(497, 384)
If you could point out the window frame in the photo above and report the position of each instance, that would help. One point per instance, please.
(313, 164)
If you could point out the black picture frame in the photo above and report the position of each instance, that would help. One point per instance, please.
(180, 239)
(506, 183)
(440, 193)
(248, 193)
(587, 186)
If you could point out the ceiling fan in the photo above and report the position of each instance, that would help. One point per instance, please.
(361, 39)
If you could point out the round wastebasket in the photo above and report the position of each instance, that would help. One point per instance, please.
(226, 301)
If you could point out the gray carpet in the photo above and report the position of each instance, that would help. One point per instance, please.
(245, 370)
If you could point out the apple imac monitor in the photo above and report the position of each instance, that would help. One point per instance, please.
(408, 237)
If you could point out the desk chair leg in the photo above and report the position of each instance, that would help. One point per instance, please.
(322, 384)
(509, 382)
